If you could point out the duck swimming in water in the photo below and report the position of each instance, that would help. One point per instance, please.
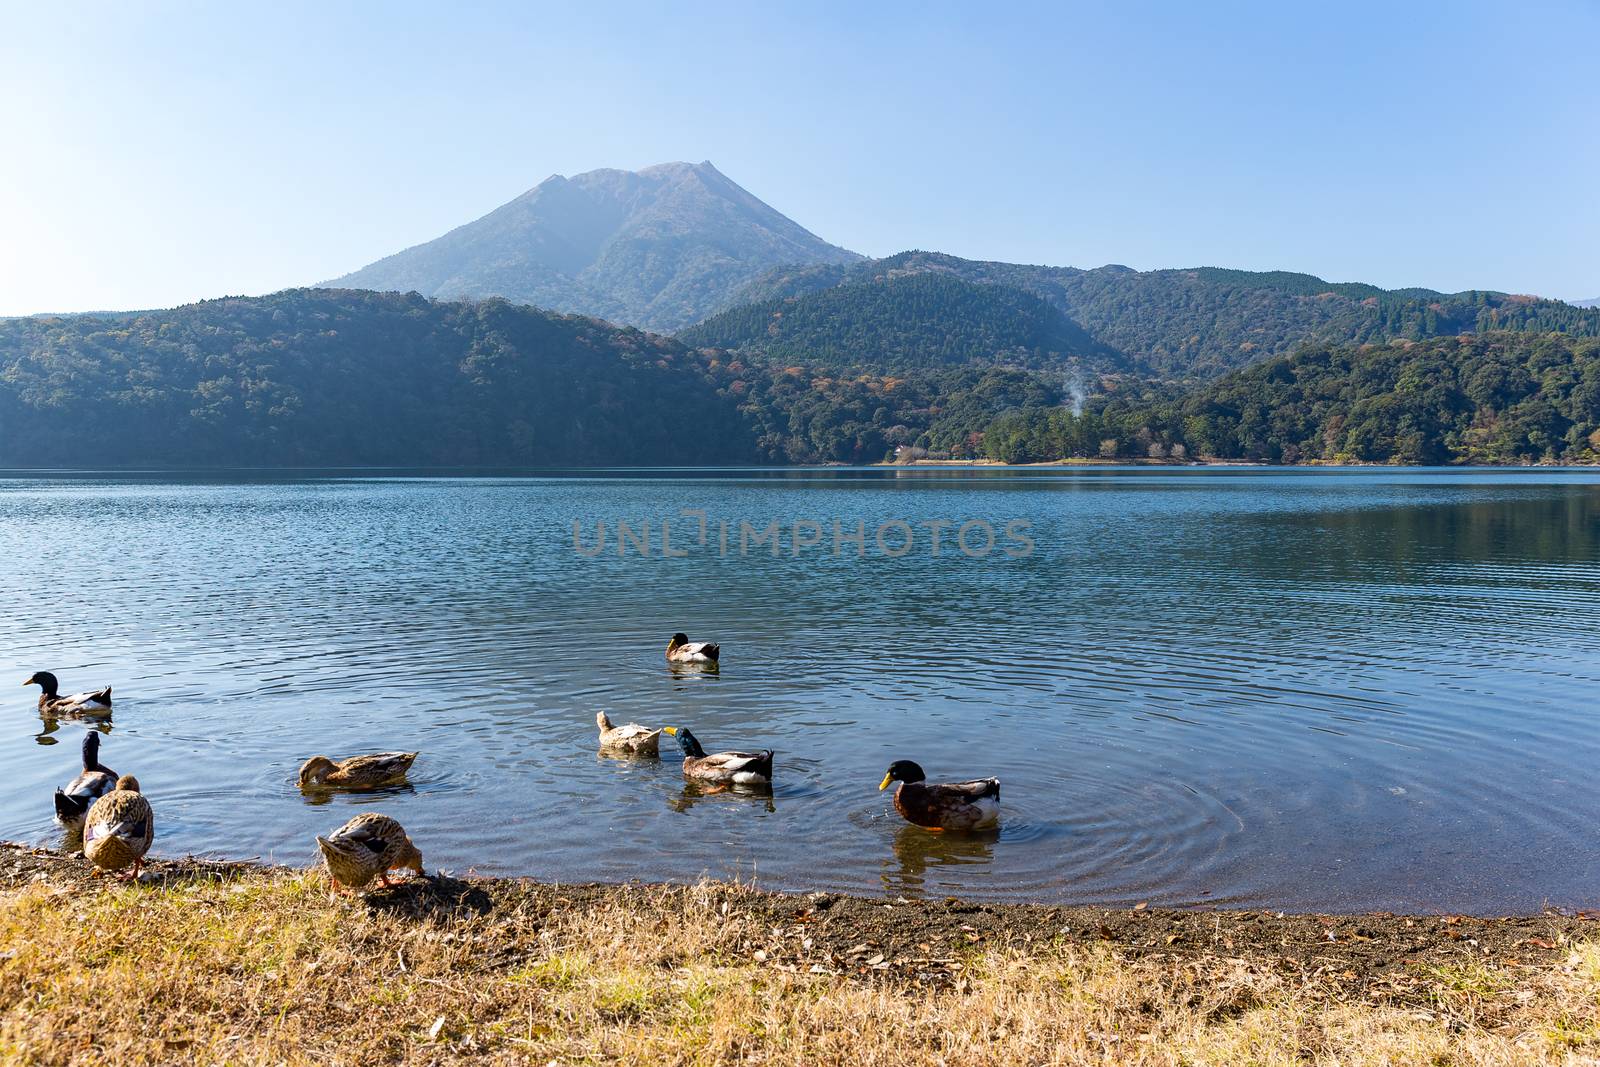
(357, 772)
(630, 740)
(971, 805)
(96, 780)
(722, 768)
(682, 650)
(51, 702)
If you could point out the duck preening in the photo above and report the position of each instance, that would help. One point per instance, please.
(357, 772)
(368, 846)
(51, 702)
(119, 828)
(631, 740)
(682, 650)
(722, 768)
(954, 806)
(95, 781)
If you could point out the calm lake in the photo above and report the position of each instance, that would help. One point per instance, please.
(1329, 689)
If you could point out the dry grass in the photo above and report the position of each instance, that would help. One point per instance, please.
(263, 967)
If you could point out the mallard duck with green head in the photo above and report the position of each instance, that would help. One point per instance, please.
(971, 805)
(721, 768)
(682, 650)
(95, 705)
(94, 782)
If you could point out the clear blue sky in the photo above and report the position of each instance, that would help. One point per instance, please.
(160, 153)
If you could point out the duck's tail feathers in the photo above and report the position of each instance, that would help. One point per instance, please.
(712, 652)
(102, 697)
(70, 808)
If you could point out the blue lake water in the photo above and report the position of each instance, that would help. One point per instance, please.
(1303, 689)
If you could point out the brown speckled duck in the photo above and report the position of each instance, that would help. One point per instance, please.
(94, 782)
(357, 772)
(682, 650)
(368, 846)
(957, 806)
(95, 705)
(119, 828)
(722, 768)
(629, 740)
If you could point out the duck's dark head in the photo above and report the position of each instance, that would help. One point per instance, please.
(902, 770)
(677, 640)
(91, 750)
(44, 680)
(686, 741)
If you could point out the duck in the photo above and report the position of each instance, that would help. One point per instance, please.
(51, 702)
(118, 829)
(96, 780)
(722, 768)
(971, 805)
(632, 739)
(368, 846)
(682, 650)
(357, 772)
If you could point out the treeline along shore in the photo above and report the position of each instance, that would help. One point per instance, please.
(334, 378)
(225, 962)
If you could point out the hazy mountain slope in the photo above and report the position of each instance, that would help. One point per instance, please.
(1594, 303)
(659, 248)
(1206, 321)
(899, 323)
(321, 377)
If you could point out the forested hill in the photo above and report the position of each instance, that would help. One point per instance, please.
(911, 322)
(1492, 398)
(1206, 321)
(340, 377)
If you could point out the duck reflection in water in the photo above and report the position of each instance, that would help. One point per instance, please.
(693, 672)
(52, 724)
(316, 798)
(695, 793)
(916, 850)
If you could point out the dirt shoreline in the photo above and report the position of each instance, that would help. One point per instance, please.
(924, 941)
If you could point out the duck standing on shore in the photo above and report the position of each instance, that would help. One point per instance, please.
(95, 781)
(722, 768)
(682, 650)
(971, 805)
(357, 772)
(51, 702)
(629, 740)
(368, 846)
(119, 828)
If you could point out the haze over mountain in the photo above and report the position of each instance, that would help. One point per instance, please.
(1592, 303)
(658, 248)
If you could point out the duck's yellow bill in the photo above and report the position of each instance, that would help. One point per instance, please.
(885, 783)
(673, 730)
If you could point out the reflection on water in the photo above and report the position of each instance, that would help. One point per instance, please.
(1297, 689)
(920, 857)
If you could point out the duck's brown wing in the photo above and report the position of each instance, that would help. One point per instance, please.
(379, 767)
(953, 806)
(728, 765)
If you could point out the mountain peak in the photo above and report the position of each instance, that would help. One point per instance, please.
(659, 248)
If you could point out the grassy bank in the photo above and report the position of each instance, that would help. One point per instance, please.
(217, 963)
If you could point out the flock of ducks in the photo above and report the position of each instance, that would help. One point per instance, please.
(118, 826)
